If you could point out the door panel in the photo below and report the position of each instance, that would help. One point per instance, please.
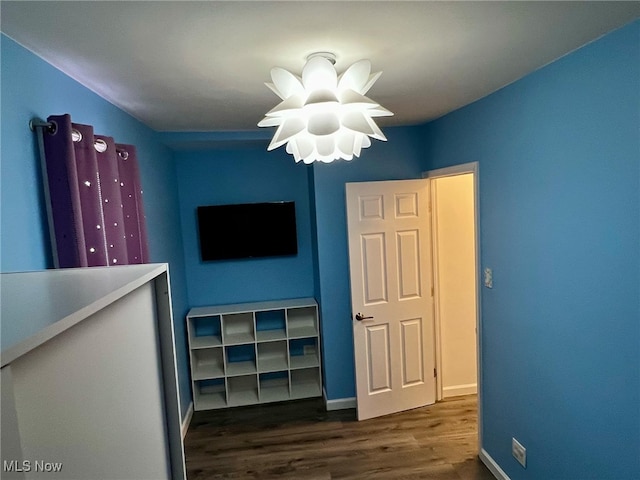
(406, 205)
(371, 207)
(408, 264)
(374, 263)
(379, 359)
(412, 350)
(390, 271)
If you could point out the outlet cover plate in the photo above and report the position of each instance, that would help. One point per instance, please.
(519, 452)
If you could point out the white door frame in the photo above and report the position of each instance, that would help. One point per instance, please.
(466, 168)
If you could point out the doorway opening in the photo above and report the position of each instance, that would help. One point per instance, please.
(393, 316)
(455, 251)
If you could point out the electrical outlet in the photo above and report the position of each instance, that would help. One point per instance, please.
(519, 452)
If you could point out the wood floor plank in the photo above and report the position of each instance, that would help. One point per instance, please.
(300, 440)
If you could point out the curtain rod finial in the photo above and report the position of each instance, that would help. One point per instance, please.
(37, 123)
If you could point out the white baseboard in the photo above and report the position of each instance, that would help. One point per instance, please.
(341, 403)
(457, 390)
(492, 465)
(186, 420)
(338, 404)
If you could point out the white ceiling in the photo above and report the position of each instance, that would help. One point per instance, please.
(201, 66)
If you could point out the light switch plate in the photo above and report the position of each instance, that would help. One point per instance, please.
(488, 278)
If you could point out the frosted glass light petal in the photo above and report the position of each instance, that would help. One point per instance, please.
(319, 97)
(326, 146)
(306, 145)
(273, 88)
(351, 98)
(377, 133)
(324, 123)
(379, 111)
(345, 144)
(286, 83)
(287, 106)
(372, 79)
(322, 117)
(292, 149)
(270, 122)
(286, 131)
(319, 73)
(357, 121)
(292, 126)
(357, 147)
(356, 76)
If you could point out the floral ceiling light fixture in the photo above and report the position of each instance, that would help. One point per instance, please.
(324, 117)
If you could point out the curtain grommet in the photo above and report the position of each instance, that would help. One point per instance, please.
(76, 135)
(100, 145)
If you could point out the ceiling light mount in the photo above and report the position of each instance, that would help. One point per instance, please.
(328, 55)
(324, 116)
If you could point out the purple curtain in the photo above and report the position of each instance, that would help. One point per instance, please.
(94, 197)
(132, 209)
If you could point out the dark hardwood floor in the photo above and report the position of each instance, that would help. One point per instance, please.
(300, 440)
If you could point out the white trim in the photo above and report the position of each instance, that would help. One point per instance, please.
(471, 167)
(457, 390)
(435, 272)
(492, 465)
(339, 403)
(187, 420)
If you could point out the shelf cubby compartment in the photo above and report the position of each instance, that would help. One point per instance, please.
(272, 356)
(302, 322)
(209, 394)
(205, 332)
(303, 353)
(207, 363)
(242, 390)
(305, 383)
(240, 359)
(237, 328)
(274, 386)
(270, 325)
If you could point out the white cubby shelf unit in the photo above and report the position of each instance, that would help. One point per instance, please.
(251, 353)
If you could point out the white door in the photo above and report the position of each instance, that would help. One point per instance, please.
(391, 295)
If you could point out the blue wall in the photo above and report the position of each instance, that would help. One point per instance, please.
(33, 88)
(244, 174)
(559, 155)
(237, 171)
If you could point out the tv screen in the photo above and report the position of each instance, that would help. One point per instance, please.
(249, 230)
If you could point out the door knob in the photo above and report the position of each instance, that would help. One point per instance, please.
(359, 317)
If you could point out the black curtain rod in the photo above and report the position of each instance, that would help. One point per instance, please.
(51, 128)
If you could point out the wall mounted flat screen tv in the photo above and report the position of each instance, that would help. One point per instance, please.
(249, 230)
